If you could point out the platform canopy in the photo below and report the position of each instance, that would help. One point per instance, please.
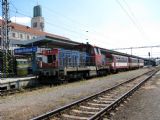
(57, 42)
(46, 41)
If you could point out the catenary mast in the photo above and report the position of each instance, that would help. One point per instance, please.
(5, 42)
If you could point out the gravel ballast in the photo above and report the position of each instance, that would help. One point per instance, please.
(144, 104)
(30, 104)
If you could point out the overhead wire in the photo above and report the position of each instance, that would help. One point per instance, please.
(70, 19)
(59, 26)
(132, 17)
(79, 34)
(51, 24)
(92, 30)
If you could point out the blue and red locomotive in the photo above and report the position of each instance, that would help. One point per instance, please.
(84, 61)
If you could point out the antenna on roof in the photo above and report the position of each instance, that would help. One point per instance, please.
(37, 2)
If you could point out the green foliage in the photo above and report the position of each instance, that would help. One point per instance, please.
(22, 72)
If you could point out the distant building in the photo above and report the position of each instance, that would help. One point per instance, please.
(21, 32)
(37, 21)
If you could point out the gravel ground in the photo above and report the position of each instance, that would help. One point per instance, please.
(144, 104)
(30, 104)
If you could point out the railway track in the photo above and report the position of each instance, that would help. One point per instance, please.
(96, 106)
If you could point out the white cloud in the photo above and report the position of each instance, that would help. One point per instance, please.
(126, 35)
(21, 20)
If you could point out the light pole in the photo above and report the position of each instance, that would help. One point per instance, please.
(87, 36)
(131, 51)
(149, 58)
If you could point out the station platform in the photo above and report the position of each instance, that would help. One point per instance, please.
(17, 82)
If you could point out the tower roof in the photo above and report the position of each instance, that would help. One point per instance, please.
(37, 11)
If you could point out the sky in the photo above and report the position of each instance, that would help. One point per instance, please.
(106, 23)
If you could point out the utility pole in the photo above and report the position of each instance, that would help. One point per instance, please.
(131, 51)
(5, 42)
(149, 54)
(87, 37)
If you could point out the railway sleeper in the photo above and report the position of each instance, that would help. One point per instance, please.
(76, 112)
(97, 104)
(87, 109)
(83, 112)
(90, 108)
(102, 101)
(72, 117)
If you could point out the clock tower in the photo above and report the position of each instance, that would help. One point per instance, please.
(37, 21)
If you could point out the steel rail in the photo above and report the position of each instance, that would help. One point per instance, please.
(119, 100)
(59, 110)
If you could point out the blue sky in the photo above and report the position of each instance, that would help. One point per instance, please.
(107, 23)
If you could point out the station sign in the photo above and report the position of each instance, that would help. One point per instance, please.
(25, 50)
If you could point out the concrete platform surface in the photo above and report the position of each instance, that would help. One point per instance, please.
(17, 83)
(6, 80)
(144, 104)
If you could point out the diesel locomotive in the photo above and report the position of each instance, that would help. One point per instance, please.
(84, 61)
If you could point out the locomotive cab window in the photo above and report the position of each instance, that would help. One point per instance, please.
(95, 50)
(99, 51)
(51, 58)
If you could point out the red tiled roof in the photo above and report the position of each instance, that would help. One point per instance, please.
(33, 31)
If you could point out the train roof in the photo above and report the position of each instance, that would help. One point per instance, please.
(119, 53)
(54, 42)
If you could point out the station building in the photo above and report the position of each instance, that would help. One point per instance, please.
(22, 33)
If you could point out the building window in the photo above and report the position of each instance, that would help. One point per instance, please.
(0, 31)
(35, 24)
(34, 37)
(21, 36)
(42, 25)
(28, 37)
(13, 35)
